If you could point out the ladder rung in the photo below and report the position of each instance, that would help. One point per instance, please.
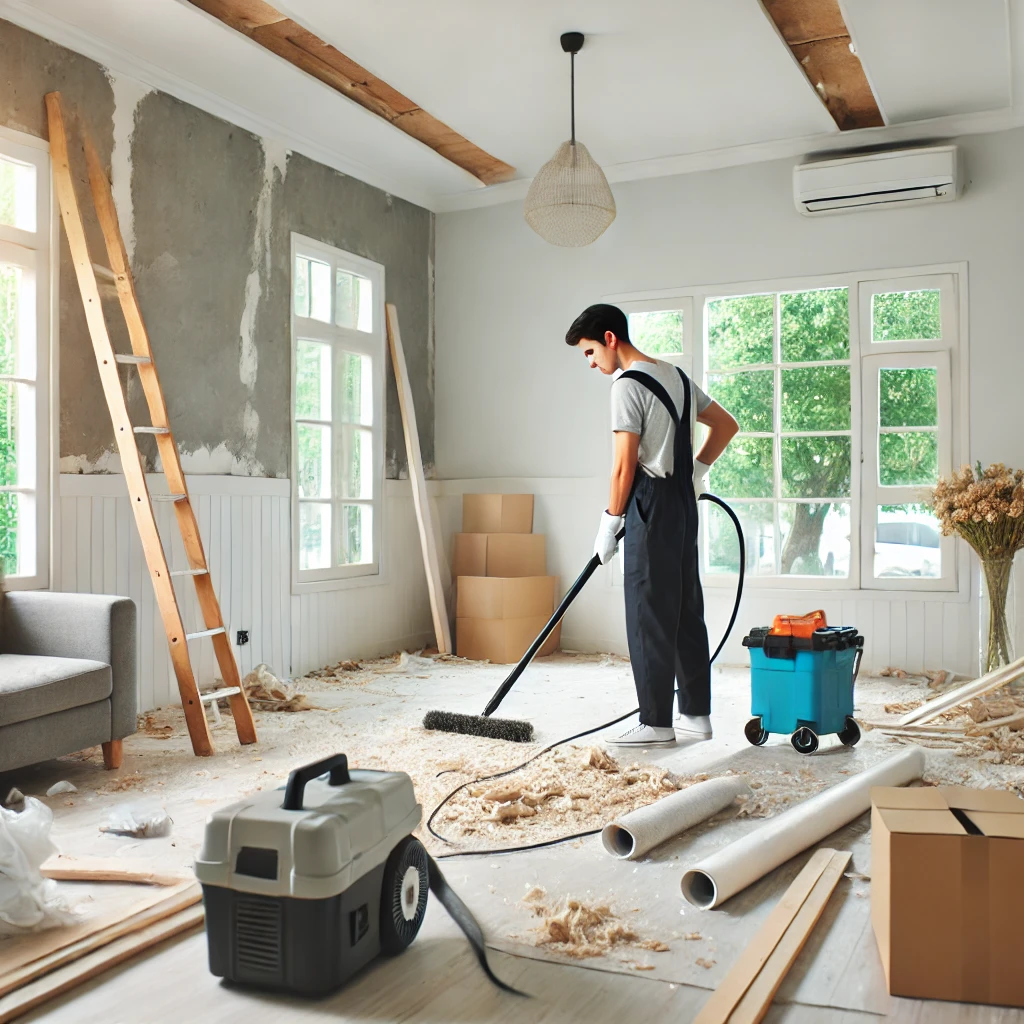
(104, 272)
(189, 572)
(168, 497)
(132, 360)
(229, 691)
(205, 632)
(152, 430)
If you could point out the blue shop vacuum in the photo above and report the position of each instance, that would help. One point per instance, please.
(802, 673)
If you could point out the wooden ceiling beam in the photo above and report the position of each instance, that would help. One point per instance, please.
(818, 37)
(281, 35)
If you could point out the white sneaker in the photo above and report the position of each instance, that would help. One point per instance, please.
(694, 726)
(645, 736)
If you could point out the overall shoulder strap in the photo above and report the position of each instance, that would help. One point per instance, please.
(658, 390)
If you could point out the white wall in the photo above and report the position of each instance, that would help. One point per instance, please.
(514, 402)
(245, 525)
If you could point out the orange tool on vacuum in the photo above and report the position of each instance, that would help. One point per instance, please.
(799, 625)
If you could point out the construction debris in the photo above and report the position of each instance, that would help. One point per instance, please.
(61, 787)
(15, 799)
(269, 693)
(144, 819)
(581, 930)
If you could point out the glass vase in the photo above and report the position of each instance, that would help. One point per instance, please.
(997, 612)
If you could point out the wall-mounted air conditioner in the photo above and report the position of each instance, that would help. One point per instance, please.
(899, 177)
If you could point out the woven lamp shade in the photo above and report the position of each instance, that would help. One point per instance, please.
(569, 202)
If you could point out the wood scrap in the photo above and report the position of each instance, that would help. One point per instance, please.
(264, 689)
(758, 998)
(753, 958)
(1014, 722)
(63, 950)
(107, 869)
(65, 978)
(988, 683)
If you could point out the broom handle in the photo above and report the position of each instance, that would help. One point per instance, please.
(524, 662)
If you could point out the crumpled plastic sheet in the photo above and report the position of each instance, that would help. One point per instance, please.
(140, 819)
(28, 901)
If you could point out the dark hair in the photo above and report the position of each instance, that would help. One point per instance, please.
(594, 321)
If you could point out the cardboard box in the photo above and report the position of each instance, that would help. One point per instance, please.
(503, 641)
(497, 513)
(499, 554)
(496, 597)
(947, 898)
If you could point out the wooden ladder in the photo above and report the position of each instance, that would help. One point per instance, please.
(141, 358)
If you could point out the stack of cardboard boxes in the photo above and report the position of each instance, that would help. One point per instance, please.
(503, 597)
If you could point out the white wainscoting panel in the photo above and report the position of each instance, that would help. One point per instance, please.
(245, 525)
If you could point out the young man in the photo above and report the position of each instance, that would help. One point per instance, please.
(668, 641)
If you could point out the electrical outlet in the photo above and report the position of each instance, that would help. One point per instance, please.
(242, 637)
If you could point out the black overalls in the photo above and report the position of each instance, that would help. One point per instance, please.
(665, 628)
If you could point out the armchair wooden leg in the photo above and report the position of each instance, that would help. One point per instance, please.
(112, 754)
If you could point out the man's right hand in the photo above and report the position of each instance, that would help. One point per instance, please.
(607, 542)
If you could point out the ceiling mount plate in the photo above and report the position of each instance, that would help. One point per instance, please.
(572, 42)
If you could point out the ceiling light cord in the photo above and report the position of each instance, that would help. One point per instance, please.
(572, 98)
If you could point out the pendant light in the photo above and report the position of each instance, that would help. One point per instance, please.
(569, 201)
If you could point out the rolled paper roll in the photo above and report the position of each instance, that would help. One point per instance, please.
(714, 879)
(636, 833)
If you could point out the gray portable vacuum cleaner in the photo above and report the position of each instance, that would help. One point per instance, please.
(301, 892)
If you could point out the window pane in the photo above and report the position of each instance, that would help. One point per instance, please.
(815, 325)
(313, 380)
(314, 461)
(815, 539)
(740, 331)
(10, 296)
(816, 398)
(657, 334)
(9, 430)
(908, 460)
(356, 534)
(815, 467)
(906, 316)
(748, 396)
(320, 291)
(10, 516)
(18, 195)
(353, 301)
(314, 535)
(300, 287)
(356, 388)
(907, 542)
(357, 469)
(908, 397)
(721, 547)
(744, 470)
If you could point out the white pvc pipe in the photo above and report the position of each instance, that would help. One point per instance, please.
(723, 874)
(636, 833)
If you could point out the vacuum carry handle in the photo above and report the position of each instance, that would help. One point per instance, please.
(524, 662)
(336, 764)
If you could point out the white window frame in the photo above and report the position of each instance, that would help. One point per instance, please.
(677, 303)
(34, 252)
(372, 344)
(952, 281)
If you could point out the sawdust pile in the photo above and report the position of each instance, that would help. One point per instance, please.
(569, 790)
(901, 707)
(151, 726)
(581, 930)
(987, 709)
(269, 693)
(774, 792)
(936, 680)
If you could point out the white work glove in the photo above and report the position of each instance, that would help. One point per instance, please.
(605, 545)
(700, 477)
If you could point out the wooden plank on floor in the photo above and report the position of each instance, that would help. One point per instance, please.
(65, 978)
(728, 994)
(758, 997)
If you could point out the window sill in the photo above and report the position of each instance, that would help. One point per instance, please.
(11, 583)
(374, 579)
(798, 589)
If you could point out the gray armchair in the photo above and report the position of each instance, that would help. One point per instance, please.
(67, 675)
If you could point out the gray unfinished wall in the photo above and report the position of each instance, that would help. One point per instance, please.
(207, 211)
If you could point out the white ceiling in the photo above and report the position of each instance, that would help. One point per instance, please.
(661, 87)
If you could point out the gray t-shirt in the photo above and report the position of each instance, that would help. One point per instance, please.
(637, 410)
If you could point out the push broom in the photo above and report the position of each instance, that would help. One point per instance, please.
(518, 731)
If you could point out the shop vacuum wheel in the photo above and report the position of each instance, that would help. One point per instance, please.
(804, 741)
(754, 733)
(403, 895)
